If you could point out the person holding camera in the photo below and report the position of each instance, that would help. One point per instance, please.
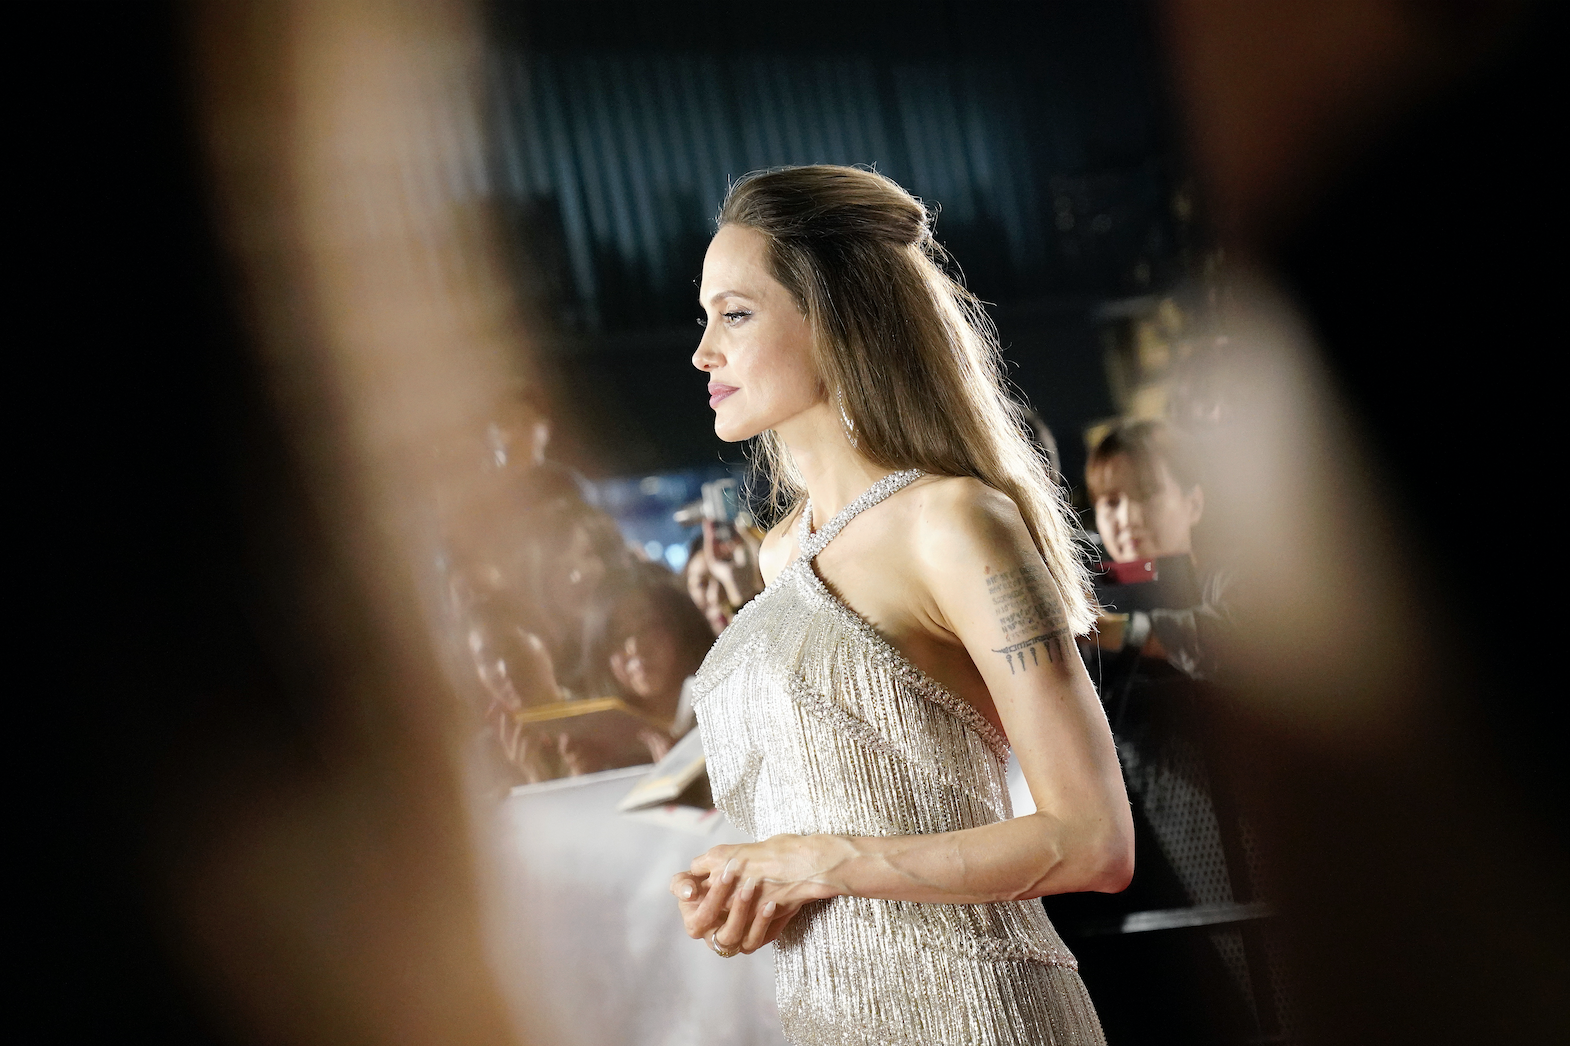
(722, 572)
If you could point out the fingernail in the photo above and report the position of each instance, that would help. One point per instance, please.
(768, 908)
(686, 892)
(729, 874)
(748, 885)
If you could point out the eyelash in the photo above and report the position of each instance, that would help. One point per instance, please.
(730, 317)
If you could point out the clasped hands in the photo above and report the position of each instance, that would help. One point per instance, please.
(739, 898)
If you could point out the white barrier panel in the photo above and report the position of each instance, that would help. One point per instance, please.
(589, 893)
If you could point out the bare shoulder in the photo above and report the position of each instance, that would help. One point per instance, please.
(779, 546)
(958, 517)
(983, 572)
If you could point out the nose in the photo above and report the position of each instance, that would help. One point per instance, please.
(705, 358)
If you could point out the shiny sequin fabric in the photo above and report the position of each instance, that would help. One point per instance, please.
(812, 722)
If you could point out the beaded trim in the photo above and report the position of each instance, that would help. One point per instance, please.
(727, 649)
(864, 733)
(959, 942)
(812, 542)
(858, 729)
(908, 671)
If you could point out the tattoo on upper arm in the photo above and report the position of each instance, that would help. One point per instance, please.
(1030, 615)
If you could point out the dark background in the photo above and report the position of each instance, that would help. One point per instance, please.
(1038, 131)
(134, 561)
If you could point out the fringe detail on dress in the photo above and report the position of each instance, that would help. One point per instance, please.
(812, 722)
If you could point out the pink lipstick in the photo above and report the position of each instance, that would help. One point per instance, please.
(718, 392)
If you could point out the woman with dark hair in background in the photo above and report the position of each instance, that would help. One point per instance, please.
(642, 640)
(923, 594)
(520, 598)
(1146, 492)
(1148, 501)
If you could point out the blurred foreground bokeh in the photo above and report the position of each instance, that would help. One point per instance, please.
(288, 428)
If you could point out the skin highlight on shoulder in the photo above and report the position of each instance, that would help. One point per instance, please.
(965, 510)
(973, 530)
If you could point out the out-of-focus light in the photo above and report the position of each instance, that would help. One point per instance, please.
(654, 550)
(676, 556)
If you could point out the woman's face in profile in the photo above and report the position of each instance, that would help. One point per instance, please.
(757, 346)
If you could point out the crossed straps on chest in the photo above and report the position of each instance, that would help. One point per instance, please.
(811, 542)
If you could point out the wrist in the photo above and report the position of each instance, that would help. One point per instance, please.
(829, 856)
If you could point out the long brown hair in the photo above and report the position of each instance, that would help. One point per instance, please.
(904, 350)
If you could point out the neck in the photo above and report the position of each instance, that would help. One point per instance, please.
(835, 472)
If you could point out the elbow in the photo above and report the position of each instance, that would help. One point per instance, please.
(1115, 864)
(1100, 860)
(1117, 871)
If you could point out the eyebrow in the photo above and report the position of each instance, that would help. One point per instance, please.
(717, 295)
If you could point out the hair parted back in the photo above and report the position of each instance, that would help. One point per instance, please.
(908, 353)
(1150, 446)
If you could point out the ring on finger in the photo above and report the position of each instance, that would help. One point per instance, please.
(719, 949)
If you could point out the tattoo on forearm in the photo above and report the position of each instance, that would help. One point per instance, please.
(1031, 617)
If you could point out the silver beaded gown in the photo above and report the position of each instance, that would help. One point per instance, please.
(813, 722)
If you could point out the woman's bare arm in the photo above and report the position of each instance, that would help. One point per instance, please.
(990, 590)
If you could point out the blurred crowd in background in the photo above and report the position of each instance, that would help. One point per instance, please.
(563, 607)
(573, 638)
(579, 610)
(574, 630)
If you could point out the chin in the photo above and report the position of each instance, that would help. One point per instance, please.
(732, 433)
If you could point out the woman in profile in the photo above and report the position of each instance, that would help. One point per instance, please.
(923, 595)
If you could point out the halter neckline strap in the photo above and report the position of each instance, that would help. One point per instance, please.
(812, 542)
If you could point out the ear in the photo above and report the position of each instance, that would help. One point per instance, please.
(1196, 504)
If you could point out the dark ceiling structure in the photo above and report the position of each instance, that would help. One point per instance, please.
(1038, 132)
